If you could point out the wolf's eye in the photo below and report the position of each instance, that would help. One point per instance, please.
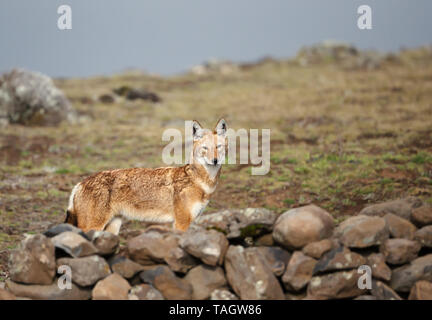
(205, 148)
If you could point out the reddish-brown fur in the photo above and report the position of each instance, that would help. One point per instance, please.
(170, 194)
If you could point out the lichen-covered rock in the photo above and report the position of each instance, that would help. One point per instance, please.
(223, 294)
(209, 246)
(239, 223)
(74, 244)
(6, 295)
(160, 245)
(381, 291)
(337, 259)
(422, 215)
(113, 287)
(30, 98)
(399, 227)
(48, 292)
(277, 258)
(63, 227)
(318, 248)
(167, 283)
(337, 285)
(400, 207)
(33, 262)
(125, 267)
(86, 271)
(404, 277)
(249, 275)
(400, 251)
(424, 236)
(298, 272)
(204, 280)
(362, 231)
(145, 292)
(300, 226)
(380, 270)
(106, 242)
(421, 290)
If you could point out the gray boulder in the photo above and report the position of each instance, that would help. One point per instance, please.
(30, 98)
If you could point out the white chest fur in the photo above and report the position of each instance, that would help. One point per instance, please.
(198, 208)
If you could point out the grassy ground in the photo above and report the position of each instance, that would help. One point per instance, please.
(339, 138)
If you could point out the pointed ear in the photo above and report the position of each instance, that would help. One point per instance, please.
(197, 131)
(221, 127)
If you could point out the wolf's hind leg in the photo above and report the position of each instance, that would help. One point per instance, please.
(114, 226)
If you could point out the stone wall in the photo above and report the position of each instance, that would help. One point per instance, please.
(237, 254)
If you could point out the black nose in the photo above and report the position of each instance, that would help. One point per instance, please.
(215, 161)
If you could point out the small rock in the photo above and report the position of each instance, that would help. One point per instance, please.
(295, 296)
(422, 290)
(399, 227)
(424, 236)
(145, 292)
(380, 270)
(164, 280)
(134, 94)
(125, 267)
(365, 297)
(6, 295)
(301, 226)
(239, 223)
(48, 292)
(383, 292)
(250, 275)
(204, 280)
(401, 207)
(106, 99)
(276, 257)
(33, 262)
(403, 278)
(298, 272)
(209, 246)
(159, 245)
(318, 248)
(337, 285)
(86, 271)
(265, 240)
(337, 259)
(63, 227)
(422, 215)
(362, 231)
(74, 244)
(113, 287)
(105, 242)
(219, 221)
(223, 294)
(400, 251)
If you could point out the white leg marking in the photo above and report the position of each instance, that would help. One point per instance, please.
(114, 226)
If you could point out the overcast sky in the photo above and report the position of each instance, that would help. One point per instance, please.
(170, 36)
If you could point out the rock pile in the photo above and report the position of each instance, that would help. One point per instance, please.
(237, 254)
(30, 98)
(342, 54)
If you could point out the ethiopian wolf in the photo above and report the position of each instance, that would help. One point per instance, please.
(170, 194)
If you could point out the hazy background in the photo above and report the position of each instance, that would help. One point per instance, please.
(168, 37)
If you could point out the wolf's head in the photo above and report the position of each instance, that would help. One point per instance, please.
(209, 147)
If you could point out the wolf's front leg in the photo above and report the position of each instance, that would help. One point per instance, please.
(182, 216)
